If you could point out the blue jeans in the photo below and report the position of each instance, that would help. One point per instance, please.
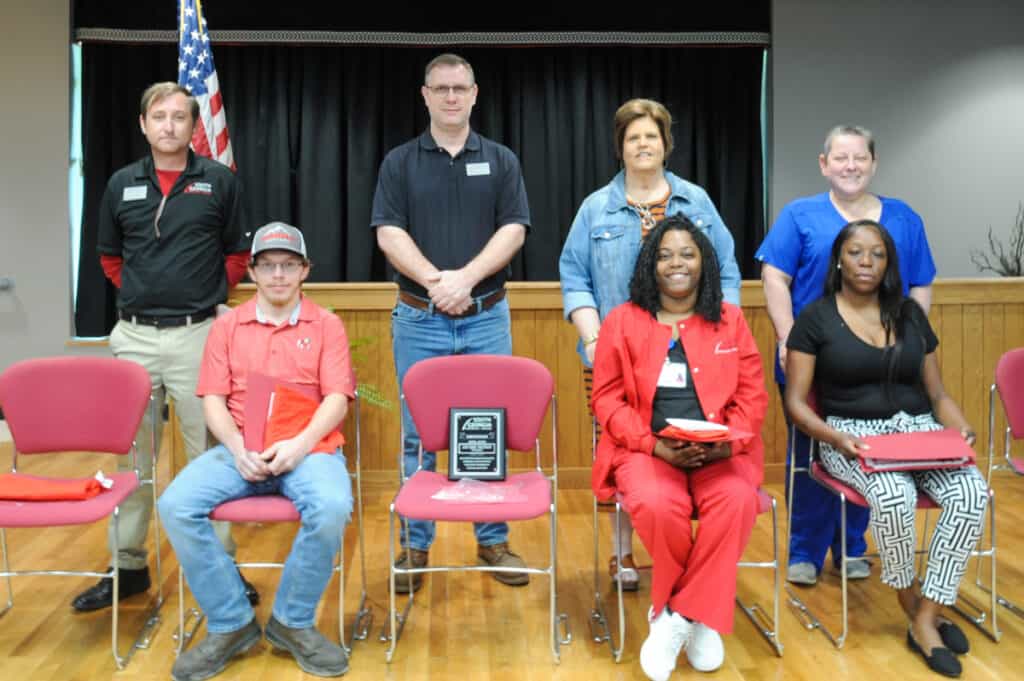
(816, 526)
(321, 490)
(419, 334)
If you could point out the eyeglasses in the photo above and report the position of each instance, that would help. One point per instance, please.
(443, 90)
(288, 267)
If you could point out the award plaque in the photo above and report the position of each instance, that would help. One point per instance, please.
(477, 443)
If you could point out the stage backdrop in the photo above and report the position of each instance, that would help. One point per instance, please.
(310, 125)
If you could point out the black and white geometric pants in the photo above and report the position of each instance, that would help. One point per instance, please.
(961, 493)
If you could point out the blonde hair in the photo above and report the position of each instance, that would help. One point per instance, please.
(160, 91)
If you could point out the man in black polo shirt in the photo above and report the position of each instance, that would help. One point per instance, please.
(171, 239)
(450, 212)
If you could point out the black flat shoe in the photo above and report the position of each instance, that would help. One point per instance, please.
(942, 660)
(101, 594)
(953, 637)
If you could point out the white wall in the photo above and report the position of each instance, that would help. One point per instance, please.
(940, 84)
(35, 317)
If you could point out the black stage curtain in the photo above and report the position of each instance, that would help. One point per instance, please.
(310, 126)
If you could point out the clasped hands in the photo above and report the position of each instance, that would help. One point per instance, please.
(450, 291)
(686, 455)
(277, 459)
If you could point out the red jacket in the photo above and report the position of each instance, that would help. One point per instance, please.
(725, 367)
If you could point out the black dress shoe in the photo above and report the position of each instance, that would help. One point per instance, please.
(101, 594)
(953, 637)
(941, 660)
(250, 591)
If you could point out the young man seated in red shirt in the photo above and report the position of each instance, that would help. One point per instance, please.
(287, 337)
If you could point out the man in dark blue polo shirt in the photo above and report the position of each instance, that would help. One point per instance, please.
(450, 212)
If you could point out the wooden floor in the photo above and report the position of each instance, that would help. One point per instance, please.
(467, 626)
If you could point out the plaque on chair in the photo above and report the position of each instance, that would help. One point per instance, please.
(477, 443)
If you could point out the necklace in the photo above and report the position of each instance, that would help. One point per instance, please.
(647, 220)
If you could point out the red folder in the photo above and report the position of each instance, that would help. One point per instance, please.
(944, 448)
(262, 420)
(701, 431)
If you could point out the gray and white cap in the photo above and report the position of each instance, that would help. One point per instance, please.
(279, 236)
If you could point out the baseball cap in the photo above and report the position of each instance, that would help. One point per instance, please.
(279, 236)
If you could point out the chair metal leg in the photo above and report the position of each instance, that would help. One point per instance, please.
(561, 635)
(192, 615)
(804, 614)
(966, 603)
(599, 629)
(768, 627)
(395, 623)
(152, 622)
(363, 621)
(7, 573)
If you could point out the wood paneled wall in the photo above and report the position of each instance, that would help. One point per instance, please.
(976, 320)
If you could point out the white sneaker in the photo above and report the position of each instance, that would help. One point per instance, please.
(705, 650)
(669, 634)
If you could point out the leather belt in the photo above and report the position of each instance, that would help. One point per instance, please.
(479, 304)
(161, 322)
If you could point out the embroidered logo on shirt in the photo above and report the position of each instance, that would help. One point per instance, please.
(303, 343)
(719, 350)
(199, 188)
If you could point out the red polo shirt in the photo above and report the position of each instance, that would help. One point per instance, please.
(310, 348)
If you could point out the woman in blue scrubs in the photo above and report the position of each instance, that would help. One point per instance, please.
(795, 257)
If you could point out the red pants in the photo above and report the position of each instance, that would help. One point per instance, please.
(694, 575)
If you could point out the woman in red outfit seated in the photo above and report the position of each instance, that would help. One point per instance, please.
(677, 351)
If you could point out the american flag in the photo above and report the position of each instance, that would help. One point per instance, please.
(197, 73)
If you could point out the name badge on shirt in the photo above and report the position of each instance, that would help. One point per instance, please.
(483, 168)
(134, 193)
(673, 375)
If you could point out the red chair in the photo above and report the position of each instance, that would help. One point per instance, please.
(524, 387)
(1009, 385)
(847, 494)
(72, 404)
(276, 508)
(767, 626)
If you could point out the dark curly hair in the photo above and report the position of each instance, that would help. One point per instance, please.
(900, 315)
(643, 286)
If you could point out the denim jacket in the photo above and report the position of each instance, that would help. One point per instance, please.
(600, 252)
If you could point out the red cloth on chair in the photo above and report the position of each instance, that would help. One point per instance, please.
(15, 487)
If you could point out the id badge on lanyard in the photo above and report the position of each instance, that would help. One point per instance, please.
(673, 374)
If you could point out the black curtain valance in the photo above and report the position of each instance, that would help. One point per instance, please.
(404, 15)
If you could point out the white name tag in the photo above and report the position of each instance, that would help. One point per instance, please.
(134, 193)
(673, 375)
(483, 168)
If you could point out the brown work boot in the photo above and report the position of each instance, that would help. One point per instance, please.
(419, 559)
(498, 555)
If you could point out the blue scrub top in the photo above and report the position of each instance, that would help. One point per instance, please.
(800, 243)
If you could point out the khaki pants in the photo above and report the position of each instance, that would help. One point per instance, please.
(172, 357)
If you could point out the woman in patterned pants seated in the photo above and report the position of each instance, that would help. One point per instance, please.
(869, 353)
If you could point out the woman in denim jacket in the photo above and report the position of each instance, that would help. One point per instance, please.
(600, 252)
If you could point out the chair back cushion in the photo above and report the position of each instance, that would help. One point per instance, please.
(60, 404)
(1010, 381)
(521, 385)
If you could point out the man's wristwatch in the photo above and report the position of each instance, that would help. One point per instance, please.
(590, 340)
